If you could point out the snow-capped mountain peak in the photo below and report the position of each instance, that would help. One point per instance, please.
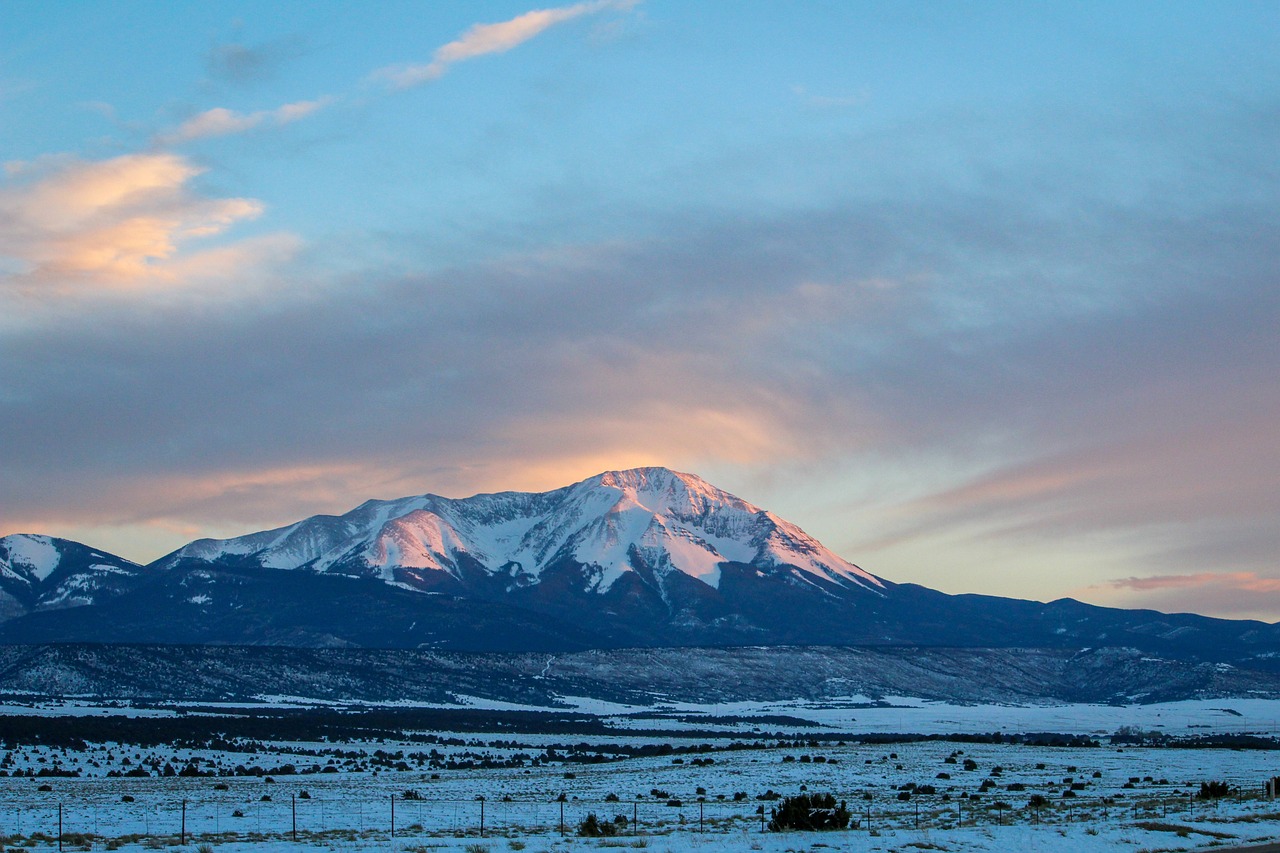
(614, 523)
(40, 572)
(29, 556)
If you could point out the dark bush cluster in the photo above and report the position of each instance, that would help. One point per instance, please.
(593, 827)
(809, 812)
(1214, 790)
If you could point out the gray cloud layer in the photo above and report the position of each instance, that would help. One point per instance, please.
(1113, 339)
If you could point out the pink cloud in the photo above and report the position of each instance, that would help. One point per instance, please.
(483, 39)
(120, 222)
(1242, 581)
(220, 121)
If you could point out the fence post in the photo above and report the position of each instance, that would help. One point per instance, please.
(393, 815)
(562, 815)
(635, 818)
(700, 816)
(182, 835)
(293, 808)
(481, 798)
(59, 827)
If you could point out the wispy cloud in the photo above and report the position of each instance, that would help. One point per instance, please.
(1240, 581)
(813, 99)
(484, 39)
(1239, 594)
(119, 221)
(224, 122)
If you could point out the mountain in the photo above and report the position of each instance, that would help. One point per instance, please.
(642, 558)
(638, 677)
(651, 522)
(43, 573)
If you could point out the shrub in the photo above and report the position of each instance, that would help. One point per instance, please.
(809, 812)
(593, 827)
(1214, 790)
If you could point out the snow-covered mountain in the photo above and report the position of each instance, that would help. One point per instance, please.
(640, 558)
(613, 524)
(43, 572)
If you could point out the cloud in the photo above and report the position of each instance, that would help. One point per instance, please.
(812, 99)
(119, 222)
(241, 64)
(1087, 353)
(220, 121)
(1243, 581)
(1238, 594)
(484, 39)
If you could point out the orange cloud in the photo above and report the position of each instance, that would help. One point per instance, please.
(120, 222)
(482, 39)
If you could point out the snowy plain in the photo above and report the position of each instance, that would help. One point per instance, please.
(1104, 797)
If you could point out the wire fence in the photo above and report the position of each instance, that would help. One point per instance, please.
(75, 824)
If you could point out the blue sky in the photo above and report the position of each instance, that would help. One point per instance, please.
(982, 295)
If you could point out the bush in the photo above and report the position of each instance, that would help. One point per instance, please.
(593, 827)
(809, 812)
(1214, 790)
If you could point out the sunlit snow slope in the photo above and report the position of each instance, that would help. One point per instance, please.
(611, 524)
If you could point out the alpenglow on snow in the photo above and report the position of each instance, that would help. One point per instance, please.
(669, 520)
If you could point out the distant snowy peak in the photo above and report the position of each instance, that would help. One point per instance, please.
(44, 571)
(613, 523)
(28, 557)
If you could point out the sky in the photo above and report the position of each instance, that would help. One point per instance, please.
(985, 296)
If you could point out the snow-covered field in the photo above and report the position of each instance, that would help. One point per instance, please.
(340, 795)
(857, 714)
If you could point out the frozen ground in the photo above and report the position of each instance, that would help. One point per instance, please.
(339, 795)
(849, 714)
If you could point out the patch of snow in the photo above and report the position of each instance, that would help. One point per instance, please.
(37, 554)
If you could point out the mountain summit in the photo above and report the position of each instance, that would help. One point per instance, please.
(645, 557)
(45, 573)
(644, 520)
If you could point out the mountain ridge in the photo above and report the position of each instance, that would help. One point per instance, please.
(642, 558)
(679, 519)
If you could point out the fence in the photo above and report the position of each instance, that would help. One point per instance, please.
(231, 818)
